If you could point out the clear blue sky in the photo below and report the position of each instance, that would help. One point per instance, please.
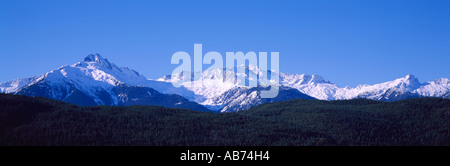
(347, 42)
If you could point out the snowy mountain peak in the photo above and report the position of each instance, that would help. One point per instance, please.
(411, 77)
(99, 59)
(300, 79)
(14, 85)
(317, 79)
(96, 57)
(409, 81)
(443, 81)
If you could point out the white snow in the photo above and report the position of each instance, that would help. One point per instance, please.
(313, 85)
(14, 85)
(95, 74)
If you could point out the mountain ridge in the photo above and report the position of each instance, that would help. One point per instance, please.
(96, 81)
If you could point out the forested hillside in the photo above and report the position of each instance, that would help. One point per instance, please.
(40, 121)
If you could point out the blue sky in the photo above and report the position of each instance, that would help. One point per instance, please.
(346, 42)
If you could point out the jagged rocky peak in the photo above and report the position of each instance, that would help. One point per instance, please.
(317, 79)
(302, 78)
(411, 77)
(96, 57)
(411, 81)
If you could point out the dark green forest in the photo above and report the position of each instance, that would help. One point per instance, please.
(359, 122)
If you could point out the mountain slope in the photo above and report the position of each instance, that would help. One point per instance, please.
(436, 88)
(14, 85)
(136, 95)
(96, 81)
(314, 85)
(242, 98)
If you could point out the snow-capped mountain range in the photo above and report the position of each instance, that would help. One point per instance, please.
(315, 86)
(96, 81)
